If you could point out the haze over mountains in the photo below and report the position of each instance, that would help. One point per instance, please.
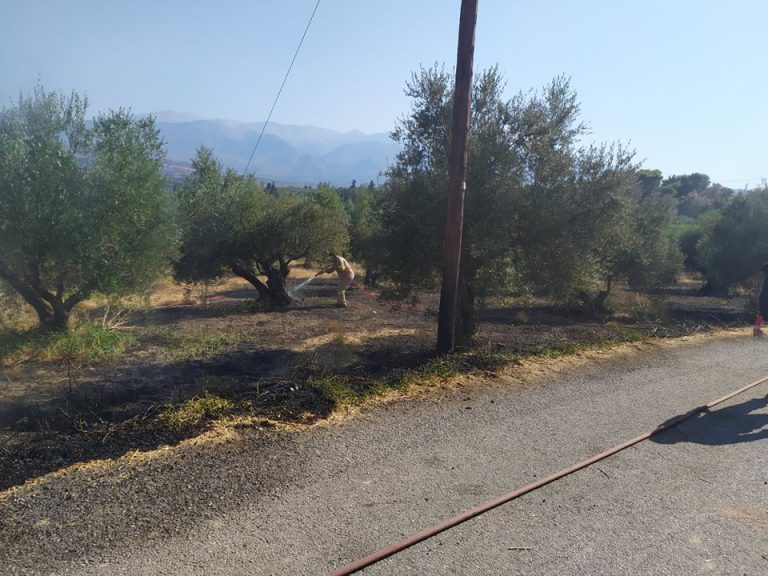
(288, 155)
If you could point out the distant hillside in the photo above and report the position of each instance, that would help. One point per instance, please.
(296, 155)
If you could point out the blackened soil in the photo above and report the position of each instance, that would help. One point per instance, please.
(54, 414)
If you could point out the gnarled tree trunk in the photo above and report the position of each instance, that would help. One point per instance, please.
(52, 309)
(598, 304)
(273, 292)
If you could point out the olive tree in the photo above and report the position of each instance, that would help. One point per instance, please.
(734, 246)
(542, 212)
(365, 231)
(537, 207)
(414, 197)
(83, 209)
(231, 224)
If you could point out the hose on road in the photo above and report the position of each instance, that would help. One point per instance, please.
(491, 504)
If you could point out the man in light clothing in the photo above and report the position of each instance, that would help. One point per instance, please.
(346, 276)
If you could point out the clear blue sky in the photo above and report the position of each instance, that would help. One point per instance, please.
(683, 81)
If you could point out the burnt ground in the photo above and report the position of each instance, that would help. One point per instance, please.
(289, 366)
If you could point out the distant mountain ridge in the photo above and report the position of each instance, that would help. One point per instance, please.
(287, 154)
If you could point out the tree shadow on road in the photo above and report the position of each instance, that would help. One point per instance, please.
(745, 422)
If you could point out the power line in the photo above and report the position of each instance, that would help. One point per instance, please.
(280, 91)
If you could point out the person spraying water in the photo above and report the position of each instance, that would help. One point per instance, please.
(346, 276)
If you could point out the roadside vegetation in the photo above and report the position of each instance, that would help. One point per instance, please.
(86, 342)
(136, 311)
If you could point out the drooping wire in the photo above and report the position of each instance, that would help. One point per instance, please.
(280, 91)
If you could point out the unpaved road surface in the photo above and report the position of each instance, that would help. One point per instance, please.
(692, 501)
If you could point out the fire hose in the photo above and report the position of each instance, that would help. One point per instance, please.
(491, 504)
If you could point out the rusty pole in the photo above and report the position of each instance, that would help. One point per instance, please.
(457, 170)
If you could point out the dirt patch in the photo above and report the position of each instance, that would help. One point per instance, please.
(293, 365)
(755, 518)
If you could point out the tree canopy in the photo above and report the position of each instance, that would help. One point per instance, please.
(82, 209)
(232, 224)
(542, 212)
(734, 244)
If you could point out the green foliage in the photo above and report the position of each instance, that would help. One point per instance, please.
(715, 197)
(130, 220)
(578, 230)
(336, 388)
(435, 370)
(311, 227)
(689, 233)
(232, 224)
(340, 389)
(414, 202)
(13, 310)
(90, 342)
(649, 180)
(695, 194)
(86, 342)
(202, 209)
(735, 246)
(366, 232)
(82, 210)
(195, 410)
(541, 213)
(190, 345)
(685, 184)
(657, 258)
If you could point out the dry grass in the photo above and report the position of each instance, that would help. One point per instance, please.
(252, 359)
(169, 293)
(339, 336)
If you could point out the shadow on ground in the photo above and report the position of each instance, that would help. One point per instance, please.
(744, 422)
(294, 366)
(111, 410)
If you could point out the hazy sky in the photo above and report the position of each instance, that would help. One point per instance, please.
(683, 81)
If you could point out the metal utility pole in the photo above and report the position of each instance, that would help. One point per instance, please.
(457, 170)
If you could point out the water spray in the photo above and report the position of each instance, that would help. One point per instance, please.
(293, 292)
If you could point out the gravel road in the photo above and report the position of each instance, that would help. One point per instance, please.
(692, 501)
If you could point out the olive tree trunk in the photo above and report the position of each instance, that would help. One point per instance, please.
(53, 310)
(273, 292)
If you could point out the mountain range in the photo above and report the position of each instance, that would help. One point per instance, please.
(286, 155)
